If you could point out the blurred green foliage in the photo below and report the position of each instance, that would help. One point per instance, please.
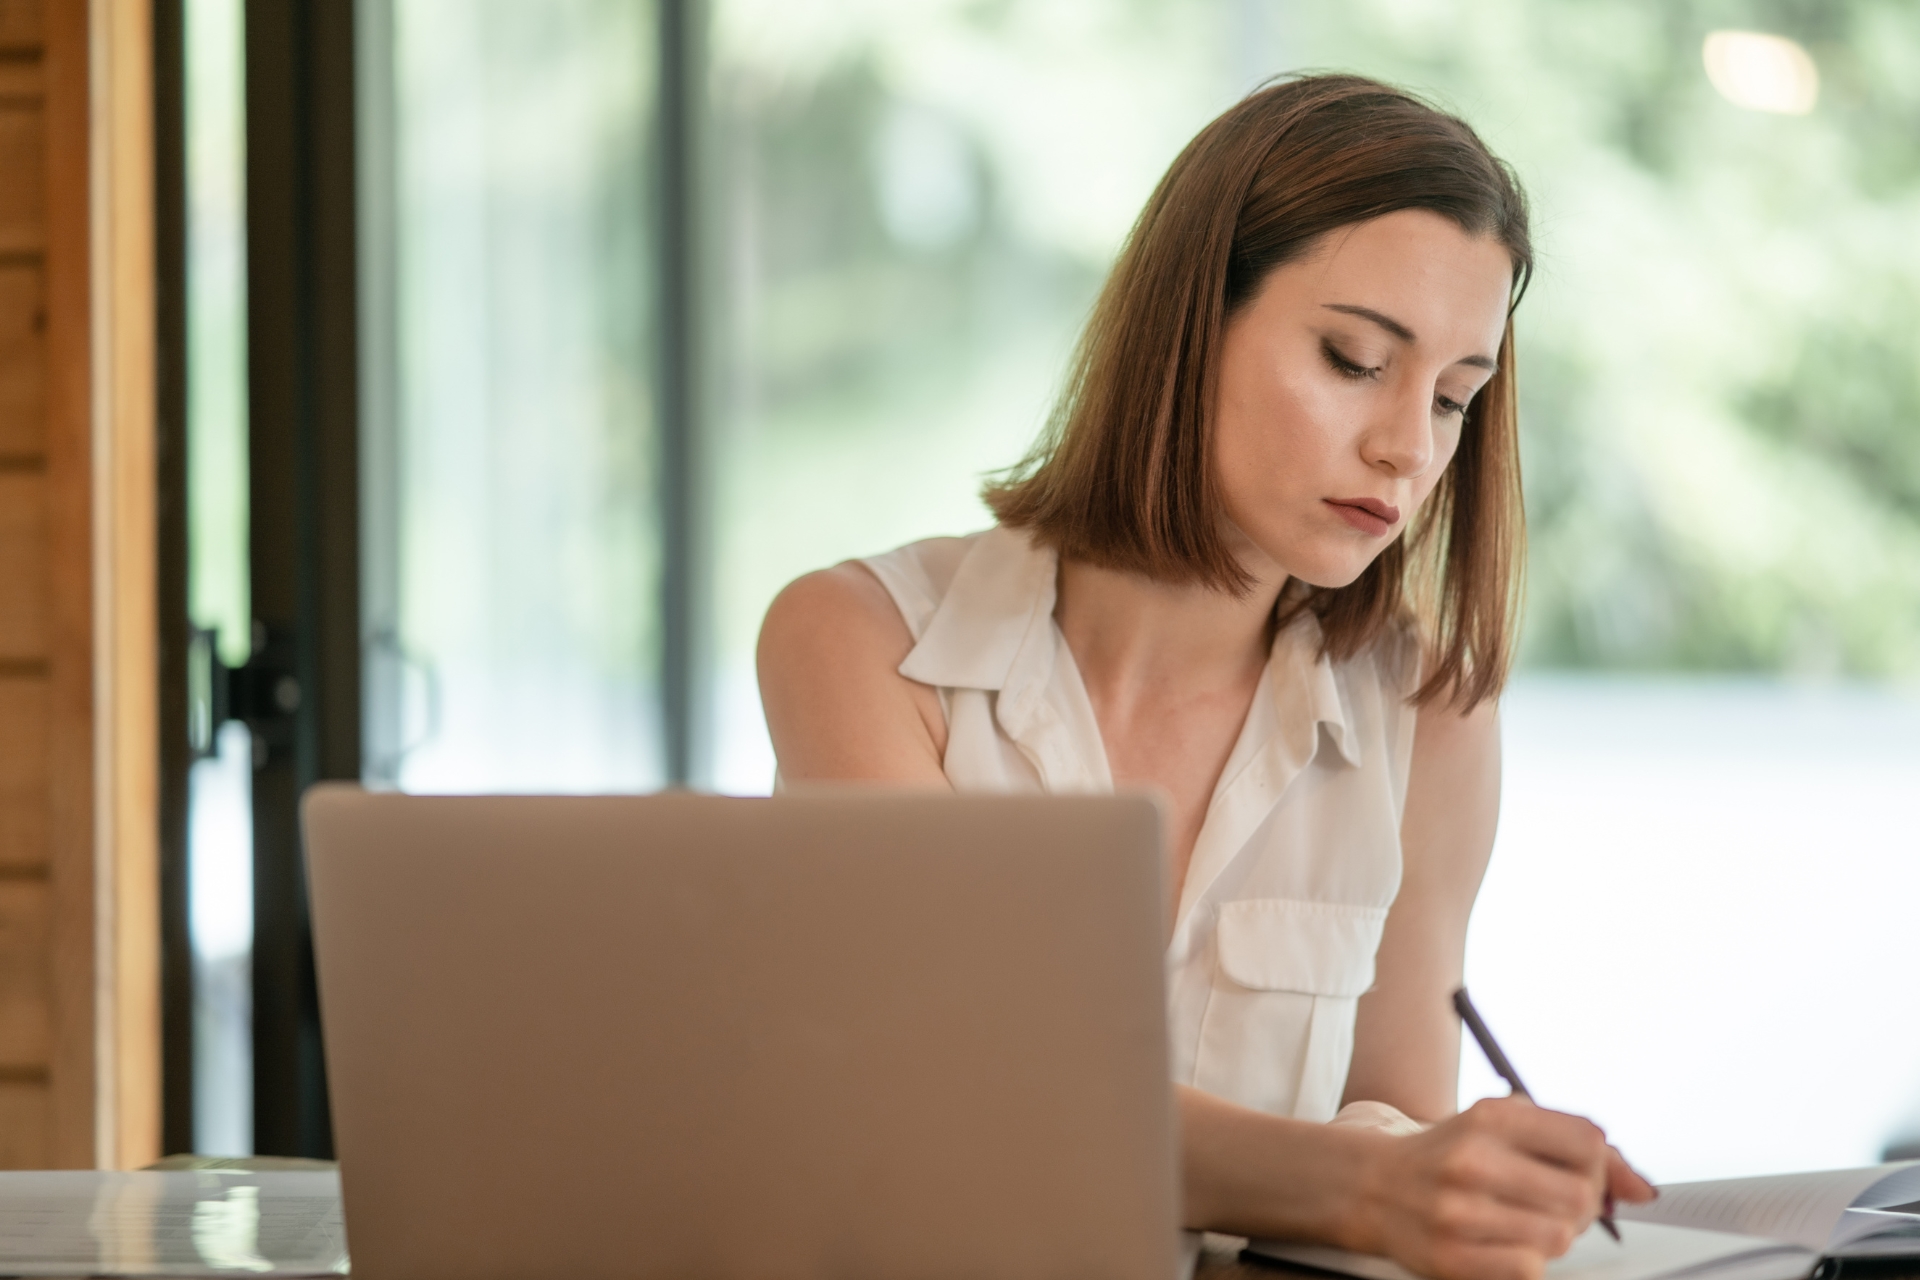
(1720, 397)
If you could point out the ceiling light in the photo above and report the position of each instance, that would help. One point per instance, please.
(1761, 72)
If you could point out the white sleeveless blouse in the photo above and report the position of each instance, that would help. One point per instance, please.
(1298, 859)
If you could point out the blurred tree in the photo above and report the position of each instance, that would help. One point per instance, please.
(1720, 394)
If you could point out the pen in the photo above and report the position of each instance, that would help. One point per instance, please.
(1463, 1005)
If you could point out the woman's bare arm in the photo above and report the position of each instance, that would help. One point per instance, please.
(837, 707)
(1406, 1041)
(1491, 1194)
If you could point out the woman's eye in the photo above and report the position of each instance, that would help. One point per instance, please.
(1448, 408)
(1344, 367)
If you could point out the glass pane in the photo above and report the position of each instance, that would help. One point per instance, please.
(511, 617)
(220, 911)
(1709, 748)
(920, 202)
(220, 816)
(1721, 487)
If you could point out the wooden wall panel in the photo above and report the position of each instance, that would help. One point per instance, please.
(26, 1009)
(20, 26)
(73, 1087)
(23, 568)
(26, 943)
(23, 362)
(23, 158)
(78, 818)
(23, 774)
(125, 566)
(26, 1122)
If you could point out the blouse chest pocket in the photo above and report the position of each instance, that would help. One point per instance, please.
(1278, 1030)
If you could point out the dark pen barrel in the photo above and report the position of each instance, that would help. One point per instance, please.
(1463, 1005)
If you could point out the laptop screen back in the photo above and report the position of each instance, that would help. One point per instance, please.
(831, 1035)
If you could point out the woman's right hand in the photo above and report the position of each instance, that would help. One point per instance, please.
(1491, 1194)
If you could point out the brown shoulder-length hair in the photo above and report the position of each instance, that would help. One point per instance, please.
(1122, 475)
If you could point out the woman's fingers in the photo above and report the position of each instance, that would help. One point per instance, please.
(1553, 1136)
(1625, 1182)
(1533, 1159)
(1498, 1190)
(1490, 1170)
(1477, 1220)
(1484, 1262)
(1472, 1237)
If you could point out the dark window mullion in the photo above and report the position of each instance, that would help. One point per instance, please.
(685, 564)
(303, 446)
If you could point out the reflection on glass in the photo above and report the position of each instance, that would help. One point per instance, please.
(917, 206)
(917, 201)
(175, 1223)
(517, 650)
(220, 915)
(217, 325)
(219, 836)
(226, 1233)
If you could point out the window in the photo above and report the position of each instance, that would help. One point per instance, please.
(907, 209)
(220, 837)
(1705, 861)
(509, 558)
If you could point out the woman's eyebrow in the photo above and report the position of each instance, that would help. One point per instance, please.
(1403, 333)
(1388, 323)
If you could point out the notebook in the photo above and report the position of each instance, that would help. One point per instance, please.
(1772, 1228)
(202, 1223)
(1842, 1213)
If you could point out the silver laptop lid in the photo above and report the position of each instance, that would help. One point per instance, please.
(829, 1035)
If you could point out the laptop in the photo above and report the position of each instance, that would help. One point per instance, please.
(842, 1034)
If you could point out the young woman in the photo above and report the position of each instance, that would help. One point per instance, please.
(1264, 562)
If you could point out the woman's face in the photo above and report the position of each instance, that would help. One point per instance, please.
(1342, 388)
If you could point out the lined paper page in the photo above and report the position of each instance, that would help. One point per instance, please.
(1895, 1193)
(1805, 1208)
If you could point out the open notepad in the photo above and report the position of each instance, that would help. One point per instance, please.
(1841, 1213)
(1775, 1228)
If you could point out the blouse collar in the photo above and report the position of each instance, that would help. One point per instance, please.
(994, 630)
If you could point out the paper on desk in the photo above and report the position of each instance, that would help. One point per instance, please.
(171, 1224)
(1646, 1251)
(1831, 1211)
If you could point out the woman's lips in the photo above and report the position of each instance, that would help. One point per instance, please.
(1369, 515)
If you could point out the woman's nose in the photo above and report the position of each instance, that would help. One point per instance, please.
(1401, 441)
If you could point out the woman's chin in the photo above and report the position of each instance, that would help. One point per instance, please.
(1328, 571)
(1317, 559)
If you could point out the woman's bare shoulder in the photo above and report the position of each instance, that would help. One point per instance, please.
(843, 611)
(837, 706)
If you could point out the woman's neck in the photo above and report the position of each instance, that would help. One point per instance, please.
(1133, 638)
(1170, 672)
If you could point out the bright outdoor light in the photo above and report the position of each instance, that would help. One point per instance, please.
(1761, 72)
